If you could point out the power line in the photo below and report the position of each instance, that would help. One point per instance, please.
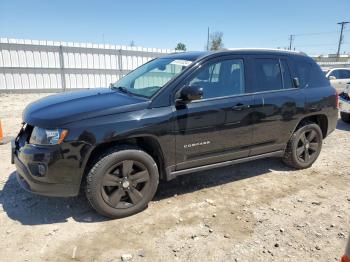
(316, 45)
(292, 37)
(318, 33)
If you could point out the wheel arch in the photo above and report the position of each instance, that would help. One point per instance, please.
(148, 143)
(320, 119)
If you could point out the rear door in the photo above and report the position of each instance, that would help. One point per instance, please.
(276, 103)
(218, 127)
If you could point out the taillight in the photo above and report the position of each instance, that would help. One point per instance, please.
(345, 259)
(337, 100)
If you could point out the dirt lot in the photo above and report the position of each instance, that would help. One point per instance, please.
(258, 211)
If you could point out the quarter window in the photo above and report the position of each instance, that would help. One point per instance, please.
(310, 74)
(303, 70)
(224, 78)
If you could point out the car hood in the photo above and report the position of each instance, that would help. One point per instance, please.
(57, 110)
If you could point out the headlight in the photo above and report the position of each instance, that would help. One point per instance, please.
(41, 136)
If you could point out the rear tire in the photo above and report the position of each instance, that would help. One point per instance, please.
(122, 182)
(345, 117)
(304, 146)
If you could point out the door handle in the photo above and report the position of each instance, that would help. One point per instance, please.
(240, 107)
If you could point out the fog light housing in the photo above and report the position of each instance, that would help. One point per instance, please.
(37, 169)
(41, 170)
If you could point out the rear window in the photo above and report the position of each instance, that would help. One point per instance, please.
(309, 74)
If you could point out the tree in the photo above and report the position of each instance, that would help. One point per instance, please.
(216, 42)
(180, 47)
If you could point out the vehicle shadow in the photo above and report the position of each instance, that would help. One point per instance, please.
(341, 125)
(219, 176)
(31, 209)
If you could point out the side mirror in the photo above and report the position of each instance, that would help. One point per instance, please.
(190, 93)
(296, 82)
(332, 78)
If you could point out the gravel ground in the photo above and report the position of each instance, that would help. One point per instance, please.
(257, 211)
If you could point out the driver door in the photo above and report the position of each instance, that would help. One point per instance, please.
(218, 127)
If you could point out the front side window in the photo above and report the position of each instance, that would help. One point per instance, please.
(335, 73)
(149, 78)
(267, 75)
(223, 78)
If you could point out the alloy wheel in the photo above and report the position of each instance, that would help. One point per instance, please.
(125, 184)
(308, 146)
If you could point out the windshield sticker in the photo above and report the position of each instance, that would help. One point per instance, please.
(181, 62)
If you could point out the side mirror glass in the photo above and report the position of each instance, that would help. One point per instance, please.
(332, 78)
(296, 82)
(190, 93)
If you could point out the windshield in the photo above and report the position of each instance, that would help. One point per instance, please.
(149, 78)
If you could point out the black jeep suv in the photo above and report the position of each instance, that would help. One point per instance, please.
(174, 115)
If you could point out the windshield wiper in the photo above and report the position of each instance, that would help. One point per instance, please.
(121, 89)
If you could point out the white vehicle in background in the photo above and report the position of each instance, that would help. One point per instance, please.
(339, 78)
(344, 104)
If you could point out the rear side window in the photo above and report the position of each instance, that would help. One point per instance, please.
(344, 74)
(268, 75)
(309, 74)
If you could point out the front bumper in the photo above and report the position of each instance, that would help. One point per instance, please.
(31, 184)
(48, 170)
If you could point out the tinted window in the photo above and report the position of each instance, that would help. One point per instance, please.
(310, 74)
(287, 80)
(267, 75)
(344, 74)
(335, 73)
(219, 79)
(303, 70)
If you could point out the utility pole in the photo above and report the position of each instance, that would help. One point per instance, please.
(208, 40)
(341, 37)
(291, 38)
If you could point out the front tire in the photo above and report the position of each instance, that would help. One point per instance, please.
(345, 117)
(304, 146)
(122, 182)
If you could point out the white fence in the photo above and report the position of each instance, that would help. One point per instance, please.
(55, 66)
(334, 64)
